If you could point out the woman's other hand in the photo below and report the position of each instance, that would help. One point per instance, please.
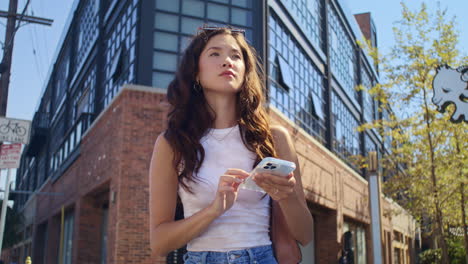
(278, 187)
(228, 187)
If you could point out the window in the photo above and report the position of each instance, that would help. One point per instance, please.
(172, 6)
(67, 249)
(308, 15)
(117, 63)
(354, 242)
(176, 21)
(162, 80)
(193, 8)
(342, 57)
(165, 41)
(166, 22)
(285, 72)
(164, 61)
(104, 227)
(296, 86)
(346, 142)
(316, 106)
(240, 17)
(87, 30)
(119, 67)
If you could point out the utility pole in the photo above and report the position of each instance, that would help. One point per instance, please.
(7, 53)
(5, 71)
(11, 28)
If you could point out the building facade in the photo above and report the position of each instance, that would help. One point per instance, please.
(93, 134)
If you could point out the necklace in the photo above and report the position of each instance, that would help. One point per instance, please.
(220, 131)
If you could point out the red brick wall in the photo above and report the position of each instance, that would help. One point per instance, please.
(114, 157)
(364, 23)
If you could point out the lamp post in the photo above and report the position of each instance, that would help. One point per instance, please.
(374, 203)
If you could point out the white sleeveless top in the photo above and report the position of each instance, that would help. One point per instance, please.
(246, 224)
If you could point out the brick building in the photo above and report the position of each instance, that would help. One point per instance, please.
(93, 134)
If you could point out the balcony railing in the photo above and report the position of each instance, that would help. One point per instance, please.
(64, 155)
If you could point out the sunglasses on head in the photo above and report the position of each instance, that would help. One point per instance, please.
(209, 29)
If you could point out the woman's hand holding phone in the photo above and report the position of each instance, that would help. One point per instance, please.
(278, 187)
(228, 187)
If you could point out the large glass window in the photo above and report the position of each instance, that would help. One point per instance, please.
(368, 101)
(342, 56)
(346, 142)
(87, 30)
(61, 77)
(308, 14)
(84, 98)
(120, 53)
(177, 20)
(296, 86)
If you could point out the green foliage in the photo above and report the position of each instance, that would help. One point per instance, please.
(13, 225)
(456, 250)
(430, 256)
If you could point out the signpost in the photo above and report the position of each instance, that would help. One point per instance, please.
(15, 131)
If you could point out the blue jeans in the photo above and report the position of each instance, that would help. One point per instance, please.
(255, 255)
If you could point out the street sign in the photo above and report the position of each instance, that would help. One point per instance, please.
(10, 155)
(14, 130)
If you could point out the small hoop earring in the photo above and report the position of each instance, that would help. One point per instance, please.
(197, 87)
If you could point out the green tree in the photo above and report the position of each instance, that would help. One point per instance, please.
(13, 225)
(428, 153)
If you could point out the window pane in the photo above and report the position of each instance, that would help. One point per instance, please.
(218, 12)
(222, 1)
(171, 5)
(162, 80)
(243, 3)
(166, 22)
(286, 74)
(165, 41)
(190, 25)
(193, 8)
(164, 61)
(240, 17)
(184, 42)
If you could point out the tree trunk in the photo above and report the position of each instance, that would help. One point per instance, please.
(462, 201)
(439, 218)
(465, 226)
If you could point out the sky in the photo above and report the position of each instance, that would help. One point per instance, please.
(36, 45)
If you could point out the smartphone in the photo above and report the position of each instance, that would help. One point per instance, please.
(268, 165)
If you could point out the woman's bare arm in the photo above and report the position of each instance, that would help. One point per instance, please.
(165, 233)
(294, 207)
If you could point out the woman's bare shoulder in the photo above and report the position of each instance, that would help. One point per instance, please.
(283, 143)
(163, 154)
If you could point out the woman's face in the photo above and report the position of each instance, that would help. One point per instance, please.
(221, 65)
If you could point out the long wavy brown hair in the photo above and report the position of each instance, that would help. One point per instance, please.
(190, 116)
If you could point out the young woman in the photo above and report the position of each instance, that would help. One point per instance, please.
(217, 132)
